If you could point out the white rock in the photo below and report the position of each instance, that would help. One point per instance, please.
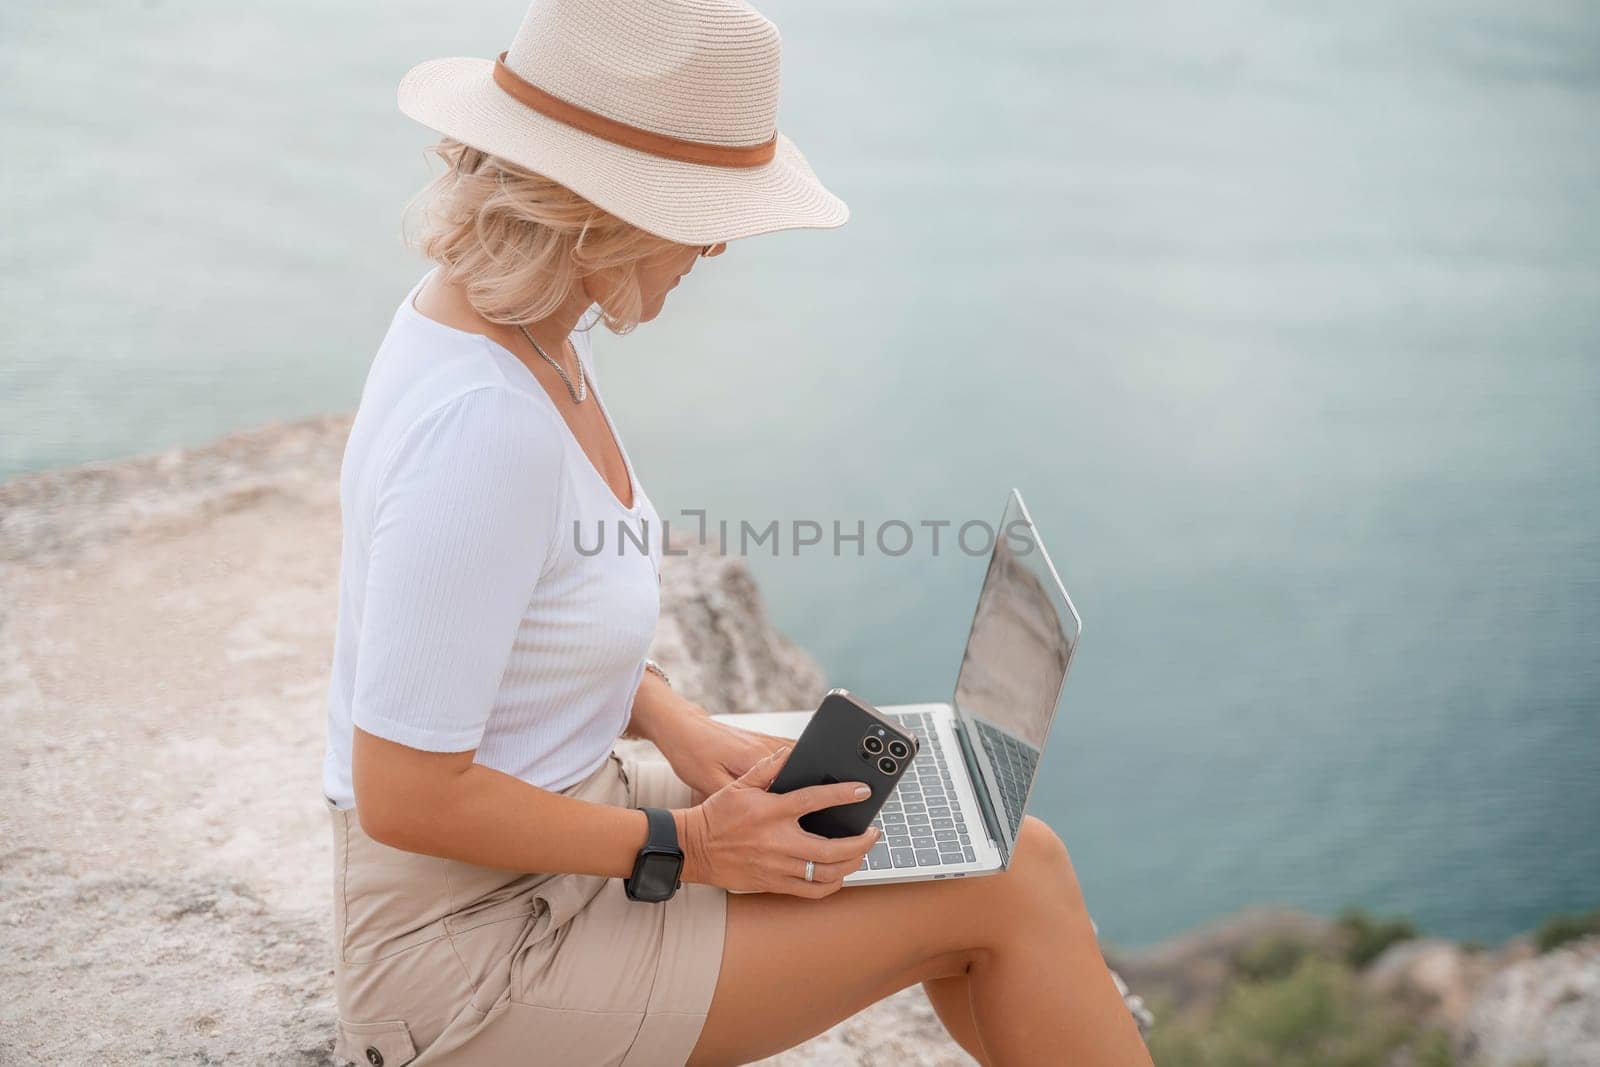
(1544, 1010)
(1438, 978)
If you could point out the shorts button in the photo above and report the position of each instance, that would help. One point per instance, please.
(374, 1057)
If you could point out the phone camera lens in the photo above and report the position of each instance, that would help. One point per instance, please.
(872, 744)
(887, 765)
(898, 749)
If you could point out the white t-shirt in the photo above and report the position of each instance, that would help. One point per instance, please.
(475, 611)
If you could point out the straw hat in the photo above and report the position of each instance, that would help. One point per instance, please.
(662, 112)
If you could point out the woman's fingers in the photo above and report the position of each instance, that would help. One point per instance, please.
(765, 770)
(826, 875)
(837, 849)
(832, 872)
(817, 797)
(799, 887)
(756, 835)
(767, 741)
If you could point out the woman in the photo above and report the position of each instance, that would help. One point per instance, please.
(485, 661)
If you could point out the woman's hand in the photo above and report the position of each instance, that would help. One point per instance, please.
(708, 754)
(745, 838)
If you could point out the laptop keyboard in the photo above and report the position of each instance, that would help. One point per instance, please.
(1013, 763)
(922, 822)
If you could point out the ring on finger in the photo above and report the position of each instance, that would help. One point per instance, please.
(811, 870)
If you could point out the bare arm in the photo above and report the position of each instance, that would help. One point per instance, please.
(658, 709)
(444, 804)
(742, 837)
(705, 753)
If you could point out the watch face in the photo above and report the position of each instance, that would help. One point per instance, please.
(656, 876)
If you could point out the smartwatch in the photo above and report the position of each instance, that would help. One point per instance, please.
(655, 872)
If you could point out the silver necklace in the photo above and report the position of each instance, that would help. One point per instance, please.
(578, 394)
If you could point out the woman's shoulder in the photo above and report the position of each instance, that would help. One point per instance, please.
(426, 370)
(441, 397)
(484, 424)
(459, 410)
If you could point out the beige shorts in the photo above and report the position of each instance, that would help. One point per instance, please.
(442, 962)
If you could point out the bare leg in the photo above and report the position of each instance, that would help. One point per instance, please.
(952, 1002)
(1038, 988)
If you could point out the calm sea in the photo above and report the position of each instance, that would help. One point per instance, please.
(1285, 318)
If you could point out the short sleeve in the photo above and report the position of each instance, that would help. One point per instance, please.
(465, 514)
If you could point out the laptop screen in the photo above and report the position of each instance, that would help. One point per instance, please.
(1015, 664)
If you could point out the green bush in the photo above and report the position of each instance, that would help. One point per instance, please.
(1365, 937)
(1316, 1016)
(1432, 1048)
(1273, 956)
(1557, 930)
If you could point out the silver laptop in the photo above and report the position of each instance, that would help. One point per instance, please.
(957, 810)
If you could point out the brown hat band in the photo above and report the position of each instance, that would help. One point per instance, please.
(620, 133)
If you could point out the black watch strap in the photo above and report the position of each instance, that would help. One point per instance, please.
(657, 871)
(663, 832)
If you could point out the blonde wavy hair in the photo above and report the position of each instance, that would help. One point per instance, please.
(521, 243)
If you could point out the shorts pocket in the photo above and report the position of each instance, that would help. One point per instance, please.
(386, 1044)
(622, 772)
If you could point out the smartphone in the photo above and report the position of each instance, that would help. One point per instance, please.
(847, 740)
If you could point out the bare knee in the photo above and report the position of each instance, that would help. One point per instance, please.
(1041, 874)
(1038, 886)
